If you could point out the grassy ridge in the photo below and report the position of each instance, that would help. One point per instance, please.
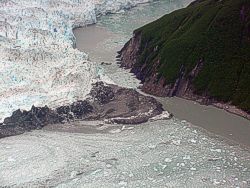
(216, 31)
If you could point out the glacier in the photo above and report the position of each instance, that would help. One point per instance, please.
(38, 62)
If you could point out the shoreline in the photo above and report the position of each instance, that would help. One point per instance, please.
(232, 109)
(225, 126)
(127, 58)
(223, 106)
(220, 105)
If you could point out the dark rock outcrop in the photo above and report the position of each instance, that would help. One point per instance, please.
(101, 93)
(106, 102)
(77, 110)
(21, 121)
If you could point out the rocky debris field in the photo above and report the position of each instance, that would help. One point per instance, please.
(109, 103)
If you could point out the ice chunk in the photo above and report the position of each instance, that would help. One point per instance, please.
(168, 160)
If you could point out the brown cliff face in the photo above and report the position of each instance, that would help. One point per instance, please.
(155, 84)
(130, 52)
(129, 57)
(152, 82)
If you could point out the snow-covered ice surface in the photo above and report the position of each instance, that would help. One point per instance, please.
(38, 64)
(163, 154)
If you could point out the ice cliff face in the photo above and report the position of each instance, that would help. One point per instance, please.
(113, 6)
(38, 64)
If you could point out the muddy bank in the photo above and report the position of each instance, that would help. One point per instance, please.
(109, 103)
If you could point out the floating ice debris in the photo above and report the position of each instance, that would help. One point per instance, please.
(194, 131)
(176, 142)
(73, 174)
(131, 175)
(163, 166)
(193, 141)
(11, 159)
(186, 157)
(96, 171)
(130, 128)
(126, 128)
(151, 146)
(216, 182)
(244, 170)
(168, 160)
(123, 183)
(114, 131)
(162, 116)
(151, 179)
(108, 165)
(216, 150)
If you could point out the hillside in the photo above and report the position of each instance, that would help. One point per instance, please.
(201, 52)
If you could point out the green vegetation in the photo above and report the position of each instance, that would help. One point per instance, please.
(217, 31)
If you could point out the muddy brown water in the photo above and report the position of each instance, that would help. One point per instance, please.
(102, 42)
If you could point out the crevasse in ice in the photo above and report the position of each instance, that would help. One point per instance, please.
(38, 64)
